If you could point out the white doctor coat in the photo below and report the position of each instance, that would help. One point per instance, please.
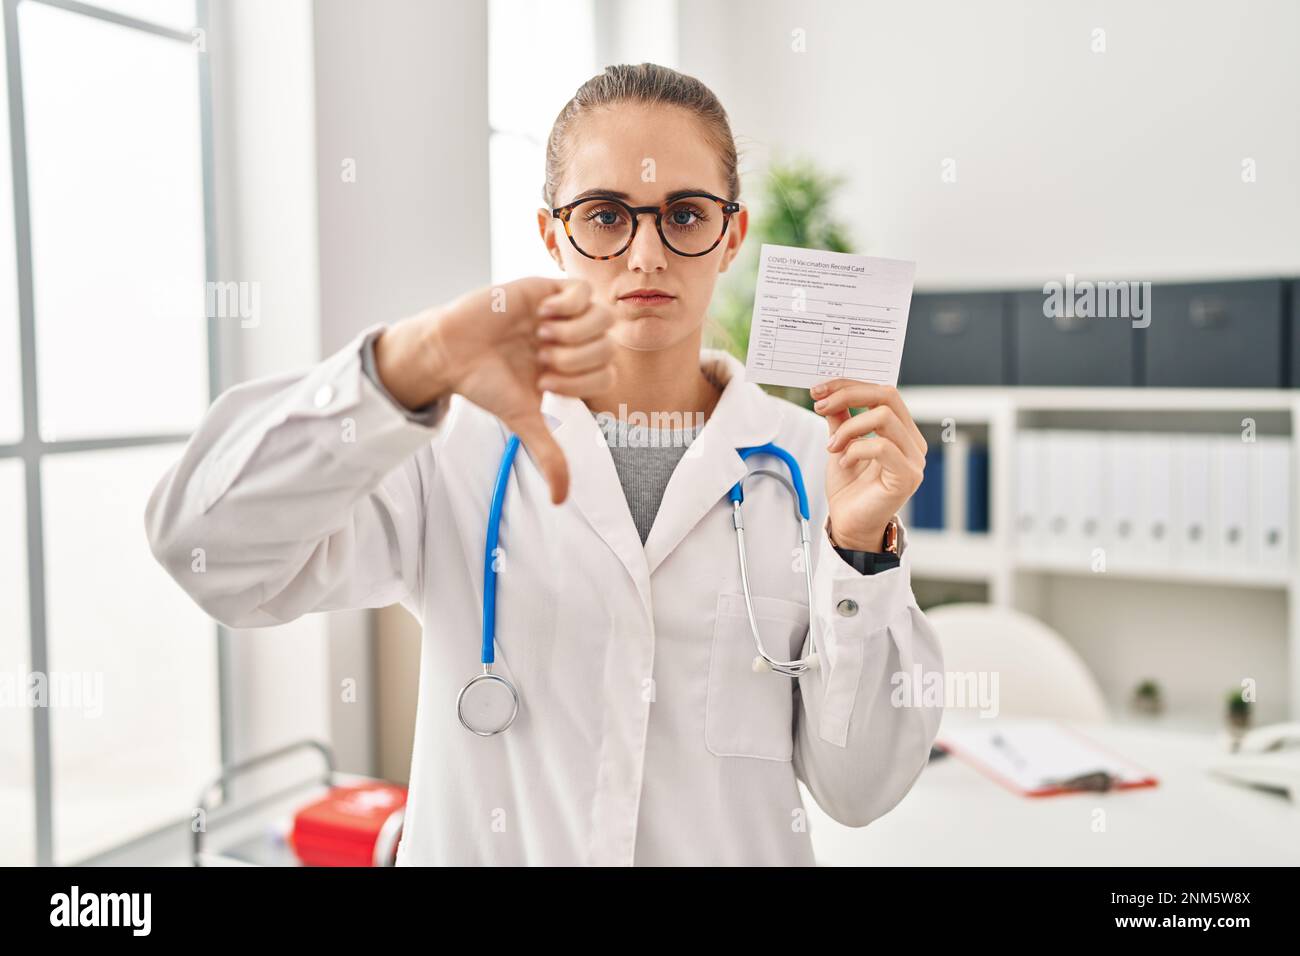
(644, 735)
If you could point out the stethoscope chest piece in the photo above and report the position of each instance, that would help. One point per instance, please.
(487, 704)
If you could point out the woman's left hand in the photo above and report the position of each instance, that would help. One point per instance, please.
(867, 479)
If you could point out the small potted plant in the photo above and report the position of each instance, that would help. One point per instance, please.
(1147, 698)
(1239, 711)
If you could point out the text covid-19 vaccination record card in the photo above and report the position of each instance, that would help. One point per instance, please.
(822, 315)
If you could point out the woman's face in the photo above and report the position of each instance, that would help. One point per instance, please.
(642, 154)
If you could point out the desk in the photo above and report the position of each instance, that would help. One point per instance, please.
(956, 816)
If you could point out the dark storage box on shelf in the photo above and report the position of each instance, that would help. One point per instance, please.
(1070, 350)
(956, 339)
(1217, 335)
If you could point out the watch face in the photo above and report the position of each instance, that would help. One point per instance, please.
(891, 536)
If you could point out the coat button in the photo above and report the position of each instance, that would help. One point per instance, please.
(324, 395)
(847, 608)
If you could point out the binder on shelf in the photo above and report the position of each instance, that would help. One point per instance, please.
(1062, 538)
(1089, 468)
(955, 455)
(1153, 500)
(1030, 506)
(1233, 538)
(1193, 501)
(977, 490)
(1157, 498)
(1271, 502)
(1125, 493)
(927, 501)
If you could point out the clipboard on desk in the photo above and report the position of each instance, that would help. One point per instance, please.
(1040, 758)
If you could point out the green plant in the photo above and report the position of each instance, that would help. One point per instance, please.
(1147, 697)
(794, 208)
(1239, 709)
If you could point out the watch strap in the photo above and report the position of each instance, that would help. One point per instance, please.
(869, 562)
(873, 562)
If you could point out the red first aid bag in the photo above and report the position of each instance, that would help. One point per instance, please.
(353, 825)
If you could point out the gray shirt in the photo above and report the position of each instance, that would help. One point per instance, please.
(644, 457)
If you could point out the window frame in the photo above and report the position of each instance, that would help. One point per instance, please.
(31, 449)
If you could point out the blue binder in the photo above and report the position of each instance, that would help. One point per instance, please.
(977, 489)
(927, 502)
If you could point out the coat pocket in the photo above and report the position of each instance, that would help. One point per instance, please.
(749, 713)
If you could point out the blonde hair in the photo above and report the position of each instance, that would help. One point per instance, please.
(651, 85)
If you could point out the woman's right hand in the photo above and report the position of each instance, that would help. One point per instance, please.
(501, 347)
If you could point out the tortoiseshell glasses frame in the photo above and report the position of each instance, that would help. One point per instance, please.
(727, 207)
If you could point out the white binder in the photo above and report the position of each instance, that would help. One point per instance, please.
(1029, 503)
(1271, 501)
(1233, 536)
(1125, 493)
(1091, 454)
(1157, 498)
(1193, 498)
(1063, 508)
(956, 455)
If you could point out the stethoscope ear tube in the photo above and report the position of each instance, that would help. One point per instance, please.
(796, 475)
(762, 666)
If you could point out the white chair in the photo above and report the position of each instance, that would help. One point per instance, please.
(1039, 674)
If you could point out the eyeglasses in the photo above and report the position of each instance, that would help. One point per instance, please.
(602, 227)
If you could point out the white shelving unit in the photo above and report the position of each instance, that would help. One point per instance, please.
(1212, 609)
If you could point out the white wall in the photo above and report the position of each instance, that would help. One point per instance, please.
(402, 157)
(264, 174)
(401, 88)
(1123, 164)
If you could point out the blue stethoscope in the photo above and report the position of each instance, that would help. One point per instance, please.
(488, 703)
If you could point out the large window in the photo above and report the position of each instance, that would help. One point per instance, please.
(111, 721)
(530, 81)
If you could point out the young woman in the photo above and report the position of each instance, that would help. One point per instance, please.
(644, 731)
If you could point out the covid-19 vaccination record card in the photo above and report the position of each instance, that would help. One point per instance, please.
(823, 315)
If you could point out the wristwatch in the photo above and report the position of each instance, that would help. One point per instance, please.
(872, 562)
